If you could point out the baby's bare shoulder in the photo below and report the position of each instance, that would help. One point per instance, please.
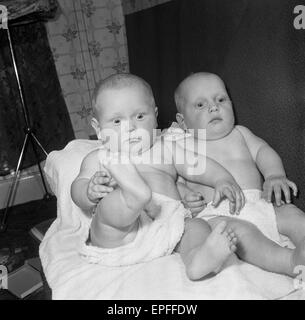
(248, 135)
(242, 129)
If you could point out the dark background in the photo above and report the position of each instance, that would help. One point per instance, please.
(43, 97)
(252, 45)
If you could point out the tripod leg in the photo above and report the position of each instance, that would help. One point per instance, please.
(13, 186)
(39, 144)
(34, 139)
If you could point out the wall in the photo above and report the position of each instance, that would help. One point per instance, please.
(253, 45)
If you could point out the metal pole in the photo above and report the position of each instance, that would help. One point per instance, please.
(28, 134)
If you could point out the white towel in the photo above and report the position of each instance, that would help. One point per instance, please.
(155, 238)
(71, 277)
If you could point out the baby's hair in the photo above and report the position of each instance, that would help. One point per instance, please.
(179, 96)
(119, 81)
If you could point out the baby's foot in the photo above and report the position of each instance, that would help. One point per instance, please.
(298, 256)
(210, 257)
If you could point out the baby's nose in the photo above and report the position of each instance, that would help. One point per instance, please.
(132, 125)
(213, 107)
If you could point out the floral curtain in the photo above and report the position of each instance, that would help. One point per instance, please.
(42, 93)
(88, 42)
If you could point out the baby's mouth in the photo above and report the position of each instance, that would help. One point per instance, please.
(215, 120)
(135, 140)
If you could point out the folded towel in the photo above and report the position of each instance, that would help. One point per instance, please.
(155, 238)
(72, 277)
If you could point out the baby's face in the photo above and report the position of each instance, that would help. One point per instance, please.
(207, 106)
(126, 119)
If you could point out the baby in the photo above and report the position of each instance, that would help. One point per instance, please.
(203, 103)
(129, 184)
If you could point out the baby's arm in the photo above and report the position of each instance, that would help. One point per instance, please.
(91, 184)
(270, 165)
(214, 175)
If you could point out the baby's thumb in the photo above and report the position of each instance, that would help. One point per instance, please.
(216, 199)
(194, 196)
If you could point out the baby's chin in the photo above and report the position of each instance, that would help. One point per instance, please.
(218, 134)
(135, 149)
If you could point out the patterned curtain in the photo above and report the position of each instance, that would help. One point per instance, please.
(47, 109)
(88, 42)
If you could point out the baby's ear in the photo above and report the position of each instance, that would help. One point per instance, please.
(180, 120)
(156, 111)
(95, 125)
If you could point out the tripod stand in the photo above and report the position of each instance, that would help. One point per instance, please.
(29, 137)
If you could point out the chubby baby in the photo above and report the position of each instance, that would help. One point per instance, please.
(203, 104)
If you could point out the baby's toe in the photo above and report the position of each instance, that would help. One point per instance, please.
(234, 240)
(232, 234)
(233, 247)
(229, 236)
(220, 228)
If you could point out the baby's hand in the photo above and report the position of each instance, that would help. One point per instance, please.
(277, 184)
(195, 202)
(99, 186)
(232, 191)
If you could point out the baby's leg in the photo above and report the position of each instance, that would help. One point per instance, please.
(291, 222)
(115, 220)
(255, 248)
(204, 251)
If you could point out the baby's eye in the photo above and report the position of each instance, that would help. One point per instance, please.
(222, 99)
(140, 116)
(116, 122)
(200, 105)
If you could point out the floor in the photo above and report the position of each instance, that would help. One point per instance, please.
(20, 243)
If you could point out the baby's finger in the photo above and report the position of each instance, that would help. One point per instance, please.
(269, 191)
(239, 204)
(216, 199)
(232, 207)
(112, 183)
(102, 174)
(229, 194)
(99, 195)
(277, 195)
(193, 197)
(264, 193)
(286, 191)
(103, 195)
(293, 186)
(243, 199)
(196, 204)
(102, 188)
(101, 180)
